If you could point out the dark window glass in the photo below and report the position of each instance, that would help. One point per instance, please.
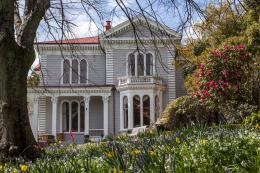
(75, 71)
(125, 106)
(140, 65)
(157, 108)
(83, 71)
(65, 116)
(136, 107)
(149, 64)
(66, 71)
(131, 65)
(82, 116)
(74, 116)
(146, 110)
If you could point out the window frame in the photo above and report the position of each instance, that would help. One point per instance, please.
(144, 54)
(70, 116)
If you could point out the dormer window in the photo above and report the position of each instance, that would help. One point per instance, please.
(74, 71)
(140, 64)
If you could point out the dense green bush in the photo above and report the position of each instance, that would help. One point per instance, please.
(196, 149)
(253, 119)
(186, 110)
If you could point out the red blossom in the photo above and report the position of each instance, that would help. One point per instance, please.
(240, 46)
(202, 66)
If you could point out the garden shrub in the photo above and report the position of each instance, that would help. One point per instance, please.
(186, 110)
(253, 119)
(224, 76)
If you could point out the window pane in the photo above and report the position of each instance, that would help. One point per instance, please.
(74, 116)
(146, 110)
(65, 116)
(131, 65)
(66, 71)
(82, 116)
(157, 108)
(125, 104)
(140, 64)
(75, 71)
(83, 71)
(149, 64)
(136, 107)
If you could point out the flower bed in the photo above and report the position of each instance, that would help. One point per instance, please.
(213, 149)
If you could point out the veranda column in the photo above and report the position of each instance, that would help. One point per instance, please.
(35, 117)
(86, 100)
(152, 107)
(105, 109)
(54, 115)
(130, 112)
(122, 119)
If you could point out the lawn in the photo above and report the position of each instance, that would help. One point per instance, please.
(234, 148)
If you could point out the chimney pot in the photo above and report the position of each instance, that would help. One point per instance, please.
(108, 25)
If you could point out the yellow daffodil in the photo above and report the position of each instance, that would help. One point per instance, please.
(177, 140)
(135, 152)
(152, 153)
(23, 168)
(1, 167)
(202, 141)
(108, 154)
(117, 170)
(14, 171)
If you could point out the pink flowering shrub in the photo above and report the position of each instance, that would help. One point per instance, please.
(224, 75)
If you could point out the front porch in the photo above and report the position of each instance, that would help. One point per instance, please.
(78, 111)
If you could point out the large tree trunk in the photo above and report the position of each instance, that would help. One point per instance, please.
(16, 137)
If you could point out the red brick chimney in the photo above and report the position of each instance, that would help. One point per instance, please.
(108, 25)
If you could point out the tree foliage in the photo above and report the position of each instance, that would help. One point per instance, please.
(226, 24)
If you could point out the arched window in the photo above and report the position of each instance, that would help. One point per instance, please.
(146, 110)
(75, 71)
(157, 108)
(83, 71)
(136, 107)
(65, 116)
(66, 71)
(74, 116)
(131, 65)
(149, 64)
(140, 64)
(125, 107)
(82, 116)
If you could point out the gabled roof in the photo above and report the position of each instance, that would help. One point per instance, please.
(144, 20)
(84, 40)
(117, 30)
